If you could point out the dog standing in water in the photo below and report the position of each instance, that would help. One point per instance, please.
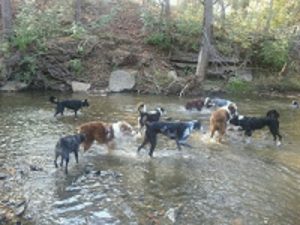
(73, 104)
(67, 145)
(220, 118)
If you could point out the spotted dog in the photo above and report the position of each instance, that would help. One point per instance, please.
(178, 131)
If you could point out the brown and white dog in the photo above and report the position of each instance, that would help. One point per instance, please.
(220, 118)
(105, 133)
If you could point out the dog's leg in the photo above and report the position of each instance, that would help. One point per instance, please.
(146, 141)
(153, 142)
(76, 156)
(67, 162)
(61, 161)
(55, 160)
(75, 114)
(178, 144)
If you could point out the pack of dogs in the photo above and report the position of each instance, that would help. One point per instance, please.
(152, 124)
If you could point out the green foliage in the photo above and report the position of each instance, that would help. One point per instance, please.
(33, 26)
(237, 86)
(27, 71)
(76, 66)
(77, 31)
(273, 53)
(161, 40)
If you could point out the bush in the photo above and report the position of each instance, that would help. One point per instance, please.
(273, 53)
(34, 27)
(161, 40)
(76, 66)
(237, 86)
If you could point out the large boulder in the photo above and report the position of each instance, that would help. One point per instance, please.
(80, 86)
(122, 80)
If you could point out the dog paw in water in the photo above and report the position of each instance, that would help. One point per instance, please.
(278, 144)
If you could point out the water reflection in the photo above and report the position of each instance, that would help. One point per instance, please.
(232, 183)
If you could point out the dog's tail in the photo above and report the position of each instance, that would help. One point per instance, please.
(53, 100)
(141, 107)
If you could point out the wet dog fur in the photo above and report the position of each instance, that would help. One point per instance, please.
(219, 119)
(104, 133)
(72, 104)
(250, 124)
(67, 145)
(178, 131)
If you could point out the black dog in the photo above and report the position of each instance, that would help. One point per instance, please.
(178, 131)
(67, 145)
(151, 116)
(249, 124)
(70, 104)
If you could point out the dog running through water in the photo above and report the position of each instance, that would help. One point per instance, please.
(178, 131)
(73, 104)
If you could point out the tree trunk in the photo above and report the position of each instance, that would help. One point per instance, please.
(77, 11)
(269, 17)
(6, 12)
(205, 41)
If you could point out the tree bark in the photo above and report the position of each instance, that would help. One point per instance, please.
(205, 41)
(77, 11)
(6, 12)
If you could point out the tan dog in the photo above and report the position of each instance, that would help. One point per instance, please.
(105, 133)
(220, 118)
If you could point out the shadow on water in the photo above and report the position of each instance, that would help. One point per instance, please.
(230, 183)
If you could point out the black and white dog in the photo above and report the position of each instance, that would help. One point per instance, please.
(73, 104)
(67, 145)
(178, 131)
(295, 104)
(151, 116)
(249, 124)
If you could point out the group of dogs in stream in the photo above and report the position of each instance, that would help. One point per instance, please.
(151, 123)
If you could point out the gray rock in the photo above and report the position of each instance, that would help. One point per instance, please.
(14, 86)
(121, 80)
(80, 86)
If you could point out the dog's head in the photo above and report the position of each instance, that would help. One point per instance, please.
(295, 104)
(161, 110)
(122, 129)
(81, 137)
(141, 107)
(273, 114)
(196, 125)
(231, 109)
(236, 119)
(208, 102)
(85, 103)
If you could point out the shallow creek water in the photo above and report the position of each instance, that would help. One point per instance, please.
(236, 182)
